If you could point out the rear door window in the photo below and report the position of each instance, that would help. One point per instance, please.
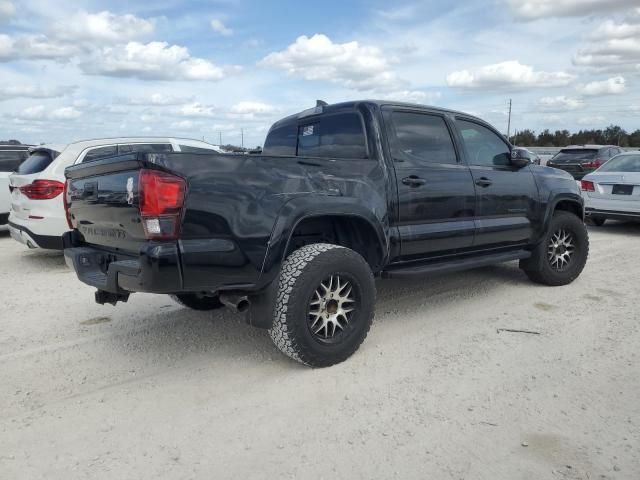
(10, 160)
(145, 148)
(333, 136)
(421, 139)
(190, 149)
(35, 163)
(100, 152)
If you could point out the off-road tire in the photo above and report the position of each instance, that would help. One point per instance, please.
(197, 302)
(538, 268)
(300, 275)
(597, 221)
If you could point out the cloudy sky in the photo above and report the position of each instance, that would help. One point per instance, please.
(76, 69)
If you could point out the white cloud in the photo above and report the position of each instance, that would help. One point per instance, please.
(8, 92)
(159, 99)
(350, 64)
(253, 108)
(102, 27)
(35, 112)
(411, 96)
(535, 9)
(7, 10)
(615, 46)
(593, 120)
(65, 113)
(197, 110)
(183, 125)
(34, 47)
(509, 74)
(220, 27)
(560, 103)
(151, 61)
(611, 86)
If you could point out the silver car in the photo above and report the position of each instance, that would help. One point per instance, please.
(613, 190)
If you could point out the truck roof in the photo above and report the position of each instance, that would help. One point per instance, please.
(322, 108)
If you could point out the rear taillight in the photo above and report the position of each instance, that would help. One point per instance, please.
(42, 189)
(161, 197)
(587, 186)
(593, 164)
(66, 203)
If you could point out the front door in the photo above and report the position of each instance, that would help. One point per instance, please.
(508, 208)
(436, 194)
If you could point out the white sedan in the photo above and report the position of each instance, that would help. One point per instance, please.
(613, 190)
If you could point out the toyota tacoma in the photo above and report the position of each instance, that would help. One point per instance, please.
(293, 237)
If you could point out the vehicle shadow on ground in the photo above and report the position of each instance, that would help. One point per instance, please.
(172, 334)
(618, 228)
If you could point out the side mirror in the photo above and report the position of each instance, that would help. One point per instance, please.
(520, 158)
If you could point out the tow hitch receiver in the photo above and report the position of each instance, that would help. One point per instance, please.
(103, 297)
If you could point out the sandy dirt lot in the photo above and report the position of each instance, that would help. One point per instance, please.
(152, 390)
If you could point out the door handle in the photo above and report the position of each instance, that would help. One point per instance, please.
(413, 181)
(484, 182)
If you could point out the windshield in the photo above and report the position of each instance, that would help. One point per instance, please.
(577, 155)
(622, 163)
(37, 162)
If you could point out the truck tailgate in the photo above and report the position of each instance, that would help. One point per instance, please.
(103, 199)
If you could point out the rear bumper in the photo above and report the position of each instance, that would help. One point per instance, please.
(156, 269)
(613, 214)
(33, 240)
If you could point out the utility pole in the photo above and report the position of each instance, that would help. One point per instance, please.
(509, 121)
(220, 137)
(242, 137)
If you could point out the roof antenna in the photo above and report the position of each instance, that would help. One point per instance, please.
(321, 103)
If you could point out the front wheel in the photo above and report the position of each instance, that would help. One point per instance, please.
(561, 256)
(324, 304)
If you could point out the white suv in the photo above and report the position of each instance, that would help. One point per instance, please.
(11, 156)
(37, 218)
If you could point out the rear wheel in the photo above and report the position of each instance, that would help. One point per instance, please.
(324, 304)
(598, 221)
(196, 301)
(562, 254)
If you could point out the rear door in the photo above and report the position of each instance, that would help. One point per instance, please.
(507, 203)
(436, 196)
(28, 171)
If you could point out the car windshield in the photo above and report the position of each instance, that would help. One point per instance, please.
(577, 155)
(622, 163)
(37, 162)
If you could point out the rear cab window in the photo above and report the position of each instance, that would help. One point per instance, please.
(338, 135)
(281, 140)
(36, 162)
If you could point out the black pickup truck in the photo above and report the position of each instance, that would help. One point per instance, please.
(294, 237)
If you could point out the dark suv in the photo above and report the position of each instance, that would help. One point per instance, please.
(579, 160)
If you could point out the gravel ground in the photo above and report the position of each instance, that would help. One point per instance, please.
(152, 390)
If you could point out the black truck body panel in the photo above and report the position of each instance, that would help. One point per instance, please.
(240, 211)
